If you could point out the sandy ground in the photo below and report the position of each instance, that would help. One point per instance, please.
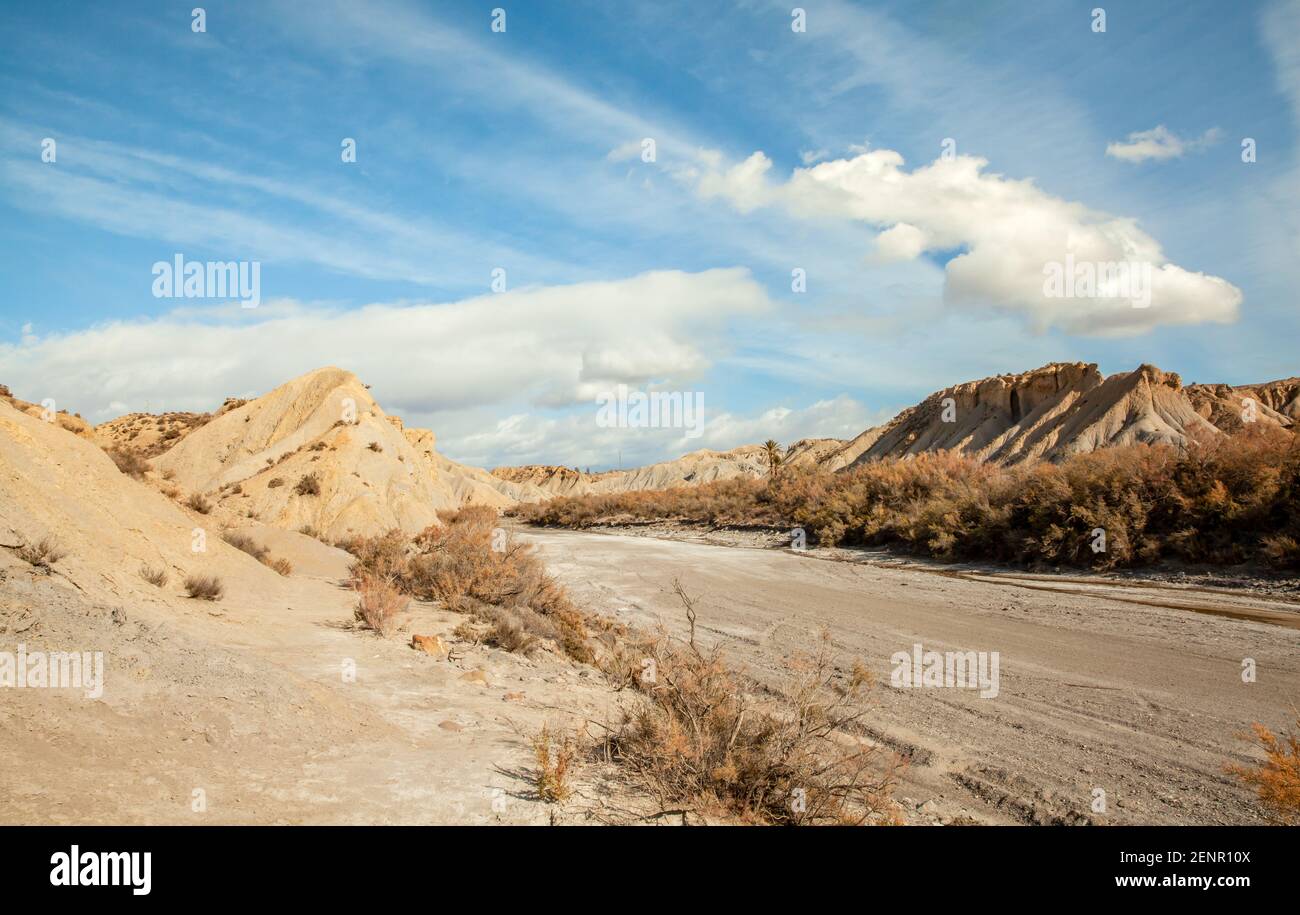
(249, 705)
(1134, 688)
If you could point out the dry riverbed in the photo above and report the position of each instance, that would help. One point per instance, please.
(1129, 687)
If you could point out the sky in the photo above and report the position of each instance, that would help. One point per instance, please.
(496, 213)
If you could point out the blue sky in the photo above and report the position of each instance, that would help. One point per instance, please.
(521, 150)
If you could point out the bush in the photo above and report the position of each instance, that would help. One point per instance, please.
(198, 503)
(309, 485)
(246, 544)
(129, 463)
(555, 756)
(375, 447)
(282, 566)
(1232, 500)
(379, 604)
(42, 554)
(697, 740)
(155, 576)
(1277, 779)
(469, 567)
(204, 587)
(274, 483)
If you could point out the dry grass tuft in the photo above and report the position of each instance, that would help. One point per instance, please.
(309, 485)
(155, 576)
(282, 566)
(42, 554)
(1277, 779)
(246, 544)
(204, 587)
(198, 503)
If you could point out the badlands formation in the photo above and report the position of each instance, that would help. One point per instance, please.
(319, 455)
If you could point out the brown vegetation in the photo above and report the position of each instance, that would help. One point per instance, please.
(698, 741)
(204, 587)
(1228, 501)
(380, 603)
(129, 463)
(309, 485)
(198, 503)
(555, 755)
(155, 576)
(471, 566)
(1277, 779)
(42, 554)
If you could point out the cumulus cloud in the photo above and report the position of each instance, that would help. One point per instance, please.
(1012, 237)
(550, 345)
(1159, 143)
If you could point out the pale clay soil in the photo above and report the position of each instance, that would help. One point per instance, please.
(1128, 687)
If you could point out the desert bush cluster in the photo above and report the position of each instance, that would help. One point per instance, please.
(472, 567)
(1231, 500)
(699, 741)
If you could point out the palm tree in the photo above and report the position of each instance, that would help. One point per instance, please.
(773, 451)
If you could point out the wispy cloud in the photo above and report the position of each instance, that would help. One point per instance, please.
(1160, 143)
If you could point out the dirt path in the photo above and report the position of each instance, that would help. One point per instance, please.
(1100, 686)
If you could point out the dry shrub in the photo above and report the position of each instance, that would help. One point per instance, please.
(1277, 779)
(381, 556)
(275, 483)
(155, 576)
(469, 567)
(555, 755)
(1229, 500)
(198, 503)
(204, 587)
(375, 447)
(379, 603)
(697, 740)
(129, 463)
(309, 485)
(246, 544)
(282, 566)
(42, 554)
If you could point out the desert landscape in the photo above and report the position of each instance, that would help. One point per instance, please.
(857, 414)
(301, 621)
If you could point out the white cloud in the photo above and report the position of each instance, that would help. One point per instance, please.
(546, 345)
(1159, 143)
(1009, 233)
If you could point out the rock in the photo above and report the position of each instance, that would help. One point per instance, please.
(513, 697)
(430, 644)
(450, 726)
(475, 676)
